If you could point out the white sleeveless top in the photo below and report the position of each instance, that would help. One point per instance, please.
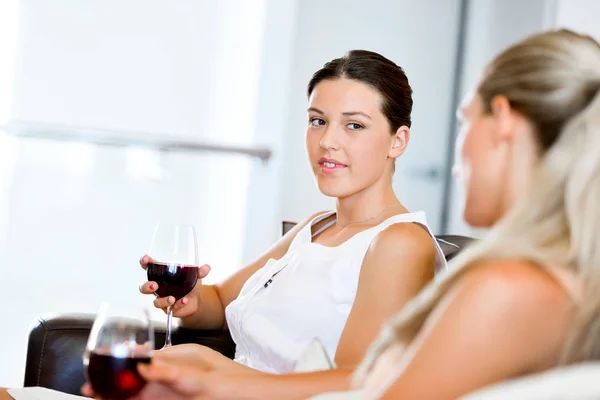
(275, 318)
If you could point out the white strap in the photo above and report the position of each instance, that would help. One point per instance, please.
(324, 228)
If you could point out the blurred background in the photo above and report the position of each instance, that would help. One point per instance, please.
(118, 114)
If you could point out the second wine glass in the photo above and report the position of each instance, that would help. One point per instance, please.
(118, 342)
(174, 265)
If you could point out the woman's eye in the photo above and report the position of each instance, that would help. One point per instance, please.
(354, 126)
(316, 121)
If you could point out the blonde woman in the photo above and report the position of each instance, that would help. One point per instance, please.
(526, 298)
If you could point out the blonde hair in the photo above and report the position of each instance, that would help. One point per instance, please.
(553, 79)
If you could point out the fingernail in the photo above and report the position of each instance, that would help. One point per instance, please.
(170, 300)
(153, 286)
(184, 300)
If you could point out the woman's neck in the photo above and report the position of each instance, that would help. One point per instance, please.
(365, 204)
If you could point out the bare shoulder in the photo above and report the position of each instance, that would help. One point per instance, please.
(404, 238)
(513, 282)
(406, 231)
(514, 304)
(406, 250)
(500, 320)
(518, 298)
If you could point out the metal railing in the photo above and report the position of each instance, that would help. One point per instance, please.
(165, 142)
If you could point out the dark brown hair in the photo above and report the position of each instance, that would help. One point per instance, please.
(378, 72)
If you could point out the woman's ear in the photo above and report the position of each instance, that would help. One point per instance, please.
(399, 142)
(505, 119)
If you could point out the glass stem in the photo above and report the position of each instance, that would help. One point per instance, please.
(169, 320)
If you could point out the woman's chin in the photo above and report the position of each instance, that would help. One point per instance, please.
(478, 218)
(331, 191)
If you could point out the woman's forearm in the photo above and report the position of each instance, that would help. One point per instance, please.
(4, 395)
(285, 387)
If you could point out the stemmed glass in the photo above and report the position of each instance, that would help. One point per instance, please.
(173, 265)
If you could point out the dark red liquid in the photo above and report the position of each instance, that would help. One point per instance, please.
(114, 377)
(173, 280)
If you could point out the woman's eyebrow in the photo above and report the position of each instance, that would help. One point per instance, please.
(351, 113)
(316, 110)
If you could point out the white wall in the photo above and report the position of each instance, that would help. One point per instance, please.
(264, 209)
(488, 35)
(579, 15)
(9, 16)
(140, 65)
(76, 217)
(419, 36)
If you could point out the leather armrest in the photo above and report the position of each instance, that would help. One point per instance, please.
(452, 244)
(56, 346)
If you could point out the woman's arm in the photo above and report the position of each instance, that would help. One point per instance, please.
(502, 320)
(4, 395)
(192, 383)
(204, 307)
(398, 264)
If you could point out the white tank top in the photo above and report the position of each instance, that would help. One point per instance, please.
(275, 318)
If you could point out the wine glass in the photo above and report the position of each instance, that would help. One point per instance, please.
(174, 264)
(118, 341)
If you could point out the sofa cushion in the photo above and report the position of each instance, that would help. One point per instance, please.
(581, 381)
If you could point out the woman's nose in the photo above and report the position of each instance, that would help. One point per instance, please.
(329, 140)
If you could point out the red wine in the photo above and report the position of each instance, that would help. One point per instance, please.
(172, 279)
(115, 377)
